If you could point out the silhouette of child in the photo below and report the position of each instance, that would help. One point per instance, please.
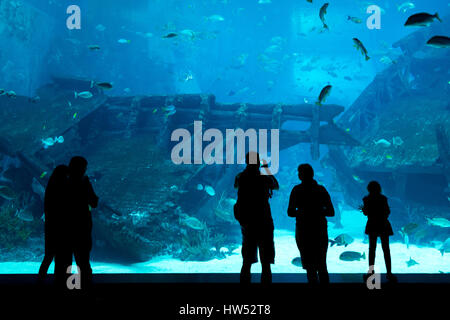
(375, 207)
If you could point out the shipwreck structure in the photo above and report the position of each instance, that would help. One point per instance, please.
(146, 199)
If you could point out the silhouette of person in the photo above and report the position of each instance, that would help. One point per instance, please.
(375, 207)
(310, 204)
(252, 211)
(54, 210)
(81, 198)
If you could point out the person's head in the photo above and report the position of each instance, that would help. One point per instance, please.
(374, 187)
(252, 160)
(305, 172)
(77, 167)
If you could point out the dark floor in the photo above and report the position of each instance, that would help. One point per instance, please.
(289, 295)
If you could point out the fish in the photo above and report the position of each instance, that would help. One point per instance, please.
(84, 95)
(439, 42)
(341, 240)
(421, 19)
(100, 28)
(103, 85)
(7, 193)
(2, 92)
(354, 19)
(35, 99)
(94, 47)
(359, 46)
(200, 187)
(43, 174)
(124, 41)
(310, 1)
(411, 262)
(216, 18)
(382, 142)
(438, 222)
(297, 262)
(324, 95)
(445, 246)
(48, 142)
(210, 191)
(406, 6)
(352, 256)
(75, 115)
(322, 13)
(389, 157)
(357, 179)
(188, 33)
(11, 94)
(409, 228)
(170, 35)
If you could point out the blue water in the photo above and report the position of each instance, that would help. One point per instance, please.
(241, 52)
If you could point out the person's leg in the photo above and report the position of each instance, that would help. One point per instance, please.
(266, 247)
(311, 275)
(82, 256)
(323, 271)
(43, 269)
(372, 250)
(63, 260)
(266, 275)
(386, 252)
(245, 276)
(249, 255)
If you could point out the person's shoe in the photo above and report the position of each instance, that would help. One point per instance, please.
(391, 278)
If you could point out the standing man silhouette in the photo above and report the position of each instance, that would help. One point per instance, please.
(252, 211)
(310, 204)
(81, 199)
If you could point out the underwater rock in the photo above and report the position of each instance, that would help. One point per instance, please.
(38, 188)
(192, 223)
(7, 193)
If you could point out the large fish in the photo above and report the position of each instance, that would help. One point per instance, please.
(341, 240)
(322, 13)
(439, 42)
(421, 19)
(352, 256)
(324, 94)
(360, 46)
